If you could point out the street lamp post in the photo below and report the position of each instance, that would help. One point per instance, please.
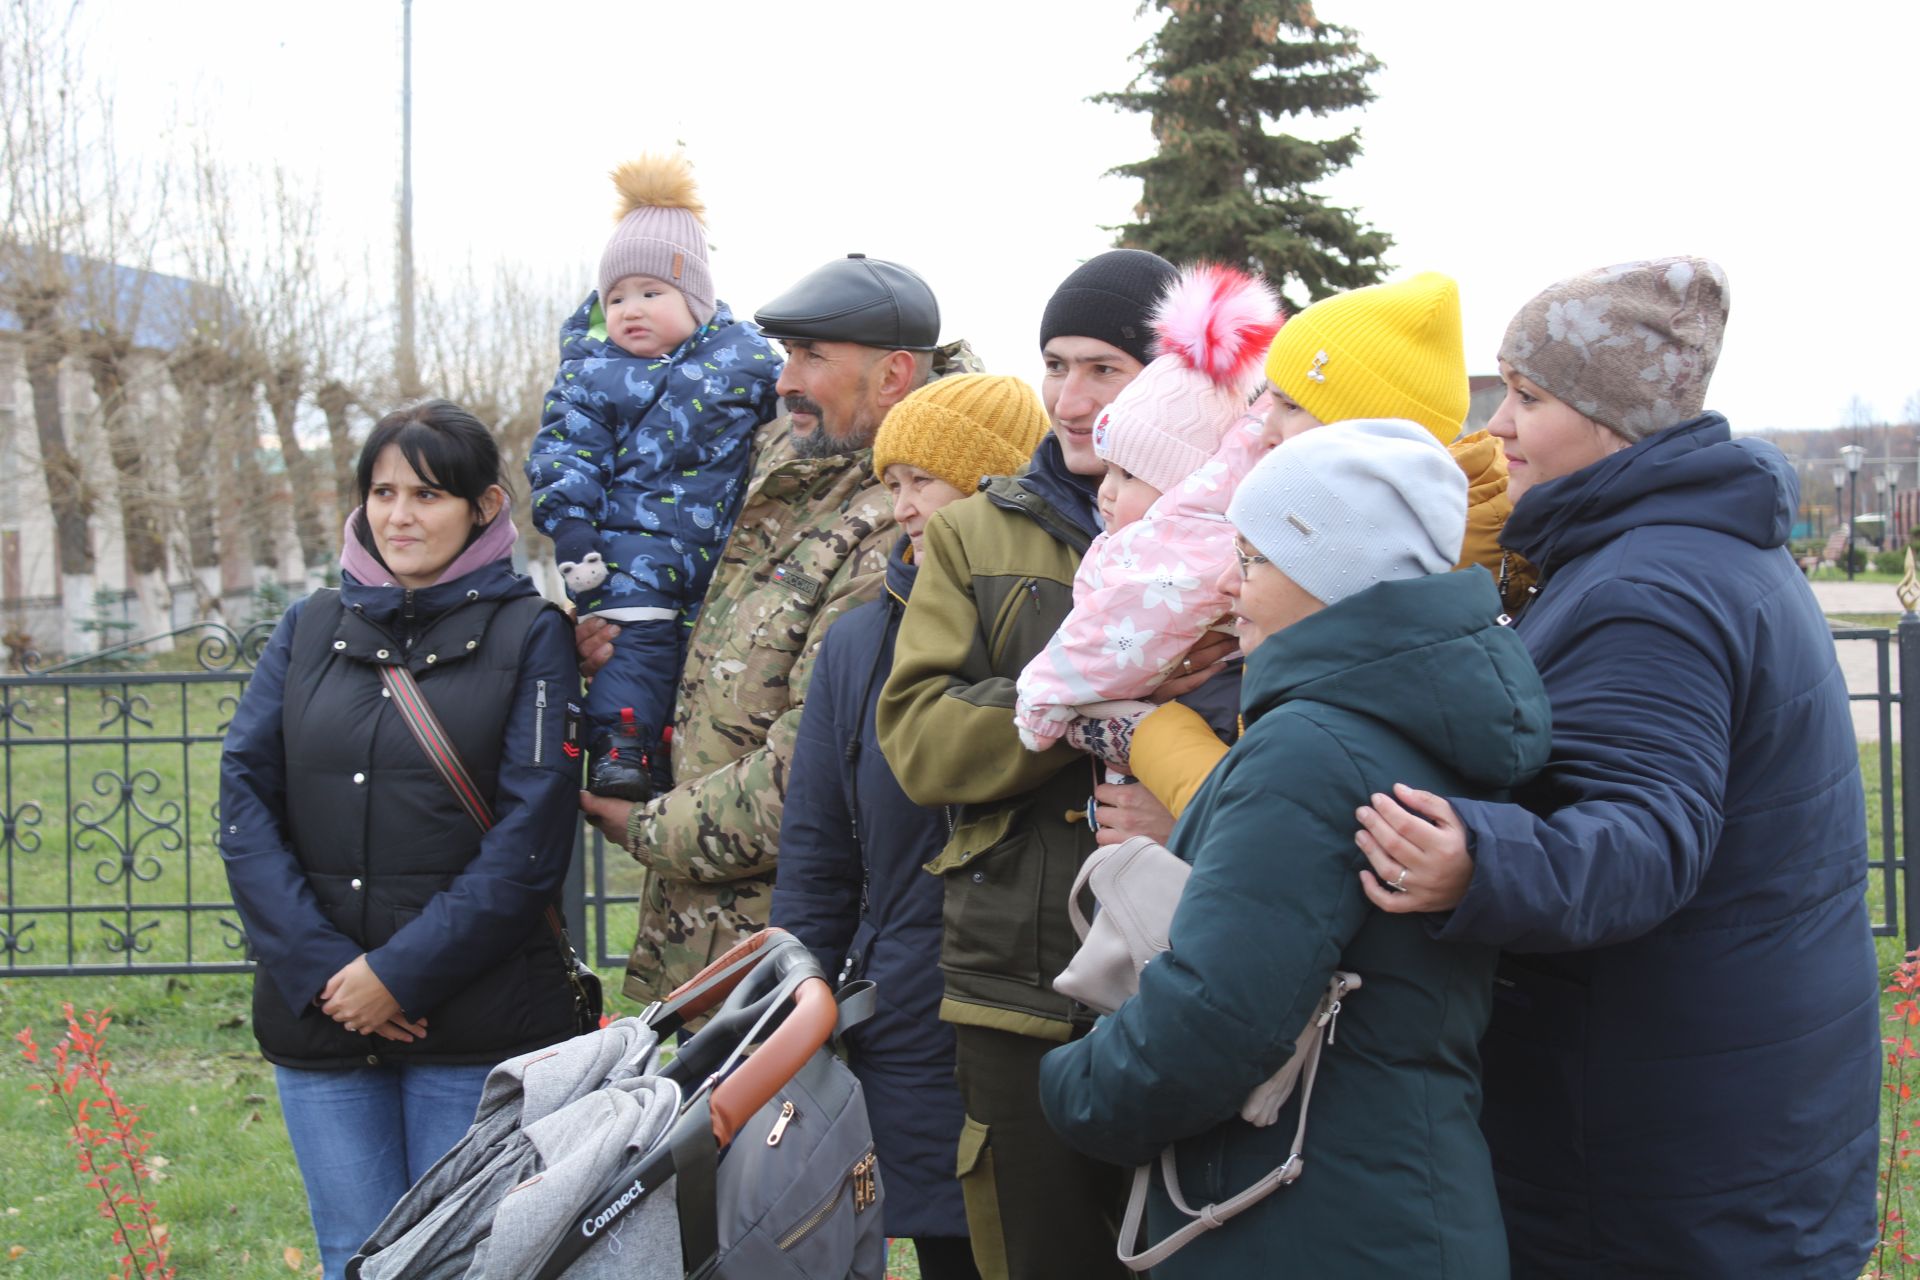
(1880, 507)
(1839, 495)
(1897, 528)
(1851, 455)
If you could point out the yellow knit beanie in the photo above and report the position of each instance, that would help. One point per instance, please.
(1386, 351)
(963, 429)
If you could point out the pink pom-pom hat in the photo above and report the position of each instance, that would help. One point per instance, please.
(1214, 324)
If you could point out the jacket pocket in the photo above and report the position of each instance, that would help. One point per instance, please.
(1020, 593)
(980, 1192)
(787, 619)
(1534, 1059)
(753, 680)
(970, 839)
(991, 909)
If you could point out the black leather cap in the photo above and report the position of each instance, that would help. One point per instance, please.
(856, 299)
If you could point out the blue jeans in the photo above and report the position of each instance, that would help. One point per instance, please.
(364, 1135)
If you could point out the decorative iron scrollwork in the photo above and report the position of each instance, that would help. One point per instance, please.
(129, 941)
(126, 709)
(218, 648)
(11, 709)
(17, 828)
(129, 859)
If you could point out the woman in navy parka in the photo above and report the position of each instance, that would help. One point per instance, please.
(852, 844)
(401, 953)
(1682, 1072)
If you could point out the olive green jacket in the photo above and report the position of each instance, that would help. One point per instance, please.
(996, 581)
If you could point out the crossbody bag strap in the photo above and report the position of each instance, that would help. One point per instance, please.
(432, 737)
(1210, 1216)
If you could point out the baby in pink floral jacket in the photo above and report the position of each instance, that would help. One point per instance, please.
(1176, 442)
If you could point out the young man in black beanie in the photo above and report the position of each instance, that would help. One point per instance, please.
(995, 581)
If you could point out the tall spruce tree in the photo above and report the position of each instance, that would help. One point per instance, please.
(1223, 188)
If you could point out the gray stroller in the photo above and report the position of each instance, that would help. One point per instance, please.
(747, 1155)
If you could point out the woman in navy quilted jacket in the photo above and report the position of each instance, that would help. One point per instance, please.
(402, 952)
(1682, 1072)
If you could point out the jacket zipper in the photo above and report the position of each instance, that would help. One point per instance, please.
(406, 620)
(539, 719)
(865, 1193)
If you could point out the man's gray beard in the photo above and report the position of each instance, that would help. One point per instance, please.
(818, 444)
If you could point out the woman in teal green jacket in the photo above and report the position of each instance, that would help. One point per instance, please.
(1368, 663)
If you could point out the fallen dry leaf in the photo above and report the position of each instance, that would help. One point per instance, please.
(253, 1118)
(16, 1252)
(292, 1257)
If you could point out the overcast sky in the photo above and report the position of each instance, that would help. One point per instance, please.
(1513, 142)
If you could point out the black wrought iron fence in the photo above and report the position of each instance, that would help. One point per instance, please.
(108, 794)
(109, 822)
(1893, 793)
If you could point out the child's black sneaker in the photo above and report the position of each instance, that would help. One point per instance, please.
(621, 768)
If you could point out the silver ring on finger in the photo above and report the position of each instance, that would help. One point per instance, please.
(1399, 884)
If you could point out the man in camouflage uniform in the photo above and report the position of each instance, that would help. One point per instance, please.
(810, 542)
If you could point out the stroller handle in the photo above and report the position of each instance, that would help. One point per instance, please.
(754, 1082)
(719, 977)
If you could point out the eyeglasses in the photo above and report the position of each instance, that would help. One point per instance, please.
(1246, 561)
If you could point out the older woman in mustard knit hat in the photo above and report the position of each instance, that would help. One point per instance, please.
(852, 843)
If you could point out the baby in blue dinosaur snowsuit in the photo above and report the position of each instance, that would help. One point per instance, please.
(642, 457)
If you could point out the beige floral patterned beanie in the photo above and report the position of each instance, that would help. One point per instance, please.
(1630, 346)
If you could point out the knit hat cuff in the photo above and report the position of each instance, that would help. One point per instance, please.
(1161, 460)
(663, 260)
(944, 443)
(1105, 317)
(1304, 365)
(1340, 511)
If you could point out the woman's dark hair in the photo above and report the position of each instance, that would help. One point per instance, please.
(441, 442)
